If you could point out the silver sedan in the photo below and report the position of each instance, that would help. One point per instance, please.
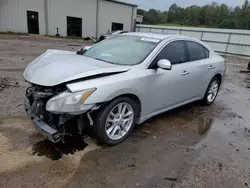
(118, 82)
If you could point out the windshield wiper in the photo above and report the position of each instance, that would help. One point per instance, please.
(103, 60)
(99, 59)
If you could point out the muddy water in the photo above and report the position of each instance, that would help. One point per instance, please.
(56, 151)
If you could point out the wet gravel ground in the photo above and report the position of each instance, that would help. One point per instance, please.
(192, 146)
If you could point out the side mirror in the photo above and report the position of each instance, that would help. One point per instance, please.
(164, 64)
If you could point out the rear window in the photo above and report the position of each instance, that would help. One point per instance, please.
(206, 53)
(197, 51)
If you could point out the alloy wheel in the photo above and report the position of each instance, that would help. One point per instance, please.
(212, 91)
(119, 121)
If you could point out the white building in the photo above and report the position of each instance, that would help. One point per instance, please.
(139, 19)
(83, 18)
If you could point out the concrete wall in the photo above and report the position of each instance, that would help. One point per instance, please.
(223, 41)
(13, 15)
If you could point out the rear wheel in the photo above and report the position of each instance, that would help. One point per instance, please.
(212, 91)
(115, 121)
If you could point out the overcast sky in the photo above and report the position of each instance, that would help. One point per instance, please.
(165, 4)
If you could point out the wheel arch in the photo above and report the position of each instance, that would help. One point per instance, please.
(131, 96)
(218, 75)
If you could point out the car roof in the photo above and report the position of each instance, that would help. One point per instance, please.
(157, 35)
(168, 37)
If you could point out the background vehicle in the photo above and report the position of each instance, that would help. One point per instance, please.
(124, 80)
(112, 34)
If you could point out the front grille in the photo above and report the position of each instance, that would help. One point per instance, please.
(54, 89)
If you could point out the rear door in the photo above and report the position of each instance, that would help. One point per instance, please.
(200, 67)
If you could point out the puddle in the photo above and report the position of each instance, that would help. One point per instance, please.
(188, 124)
(205, 125)
(56, 151)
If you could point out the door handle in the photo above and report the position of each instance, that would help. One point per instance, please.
(184, 73)
(211, 67)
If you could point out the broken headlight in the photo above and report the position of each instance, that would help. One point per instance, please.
(68, 102)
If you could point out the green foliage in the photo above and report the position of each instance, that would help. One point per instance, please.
(213, 15)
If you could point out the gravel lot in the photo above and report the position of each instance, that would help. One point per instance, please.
(192, 146)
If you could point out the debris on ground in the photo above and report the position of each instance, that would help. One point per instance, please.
(220, 165)
(240, 117)
(18, 105)
(185, 147)
(232, 144)
(90, 39)
(170, 179)
(3, 82)
(243, 71)
(172, 185)
(233, 132)
(247, 130)
(2, 87)
(131, 165)
(204, 145)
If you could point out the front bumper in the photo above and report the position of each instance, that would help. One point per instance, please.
(43, 128)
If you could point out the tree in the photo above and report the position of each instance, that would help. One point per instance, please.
(141, 12)
(153, 16)
(172, 13)
(245, 16)
(212, 15)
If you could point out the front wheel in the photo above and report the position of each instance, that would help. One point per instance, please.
(115, 121)
(212, 91)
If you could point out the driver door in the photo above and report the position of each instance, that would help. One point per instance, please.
(168, 88)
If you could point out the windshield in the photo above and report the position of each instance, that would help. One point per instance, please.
(123, 50)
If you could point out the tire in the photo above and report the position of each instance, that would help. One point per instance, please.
(207, 100)
(102, 125)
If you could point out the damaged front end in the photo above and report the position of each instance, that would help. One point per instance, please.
(52, 108)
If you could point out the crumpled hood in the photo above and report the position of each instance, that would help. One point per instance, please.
(56, 67)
